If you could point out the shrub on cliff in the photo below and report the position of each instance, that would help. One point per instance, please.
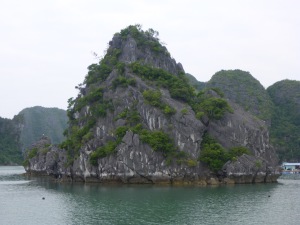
(237, 151)
(154, 98)
(212, 153)
(215, 156)
(159, 141)
(213, 107)
(177, 85)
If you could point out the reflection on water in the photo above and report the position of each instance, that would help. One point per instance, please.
(22, 203)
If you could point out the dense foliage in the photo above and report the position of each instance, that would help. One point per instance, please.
(212, 153)
(159, 141)
(215, 156)
(285, 126)
(211, 106)
(177, 85)
(10, 149)
(234, 152)
(98, 73)
(103, 151)
(242, 88)
(202, 103)
(144, 39)
(122, 81)
(154, 98)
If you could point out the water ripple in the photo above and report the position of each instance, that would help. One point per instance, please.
(22, 203)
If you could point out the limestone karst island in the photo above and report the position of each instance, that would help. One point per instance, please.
(139, 118)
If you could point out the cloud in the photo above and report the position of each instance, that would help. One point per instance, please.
(46, 45)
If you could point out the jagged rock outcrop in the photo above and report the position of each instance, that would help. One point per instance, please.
(42, 158)
(249, 169)
(131, 52)
(240, 128)
(136, 120)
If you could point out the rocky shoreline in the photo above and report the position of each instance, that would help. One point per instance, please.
(247, 179)
(51, 162)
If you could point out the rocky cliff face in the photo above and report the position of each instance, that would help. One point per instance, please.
(136, 120)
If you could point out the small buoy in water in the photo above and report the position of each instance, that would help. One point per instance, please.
(43, 198)
(269, 196)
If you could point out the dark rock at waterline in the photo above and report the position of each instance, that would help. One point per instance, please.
(250, 169)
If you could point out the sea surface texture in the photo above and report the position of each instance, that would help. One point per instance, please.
(41, 201)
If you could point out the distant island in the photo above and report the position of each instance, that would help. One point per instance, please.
(27, 127)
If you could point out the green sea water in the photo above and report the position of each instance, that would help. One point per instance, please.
(21, 202)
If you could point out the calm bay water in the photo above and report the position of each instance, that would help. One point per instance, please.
(21, 203)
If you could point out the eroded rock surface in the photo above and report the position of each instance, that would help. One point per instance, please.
(133, 160)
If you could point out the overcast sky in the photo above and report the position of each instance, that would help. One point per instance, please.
(46, 46)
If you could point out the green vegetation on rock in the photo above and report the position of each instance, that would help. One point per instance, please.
(122, 81)
(154, 98)
(158, 141)
(99, 72)
(234, 152)
(212, 153)
(144, 39)
(92, 102)
(40, 147)
(103, 151)
(177, 85)
(202, 103)
(241, 87)
(90, 106)
(210, 105)
(215, 156)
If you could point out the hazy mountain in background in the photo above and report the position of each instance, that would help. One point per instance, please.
(285, 127)
(10, 152)
(27, 127)
(38, 121)
(194, 82)
(242, 88)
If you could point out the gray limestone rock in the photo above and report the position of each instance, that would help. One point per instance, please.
(134, 161)
(250, 169)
